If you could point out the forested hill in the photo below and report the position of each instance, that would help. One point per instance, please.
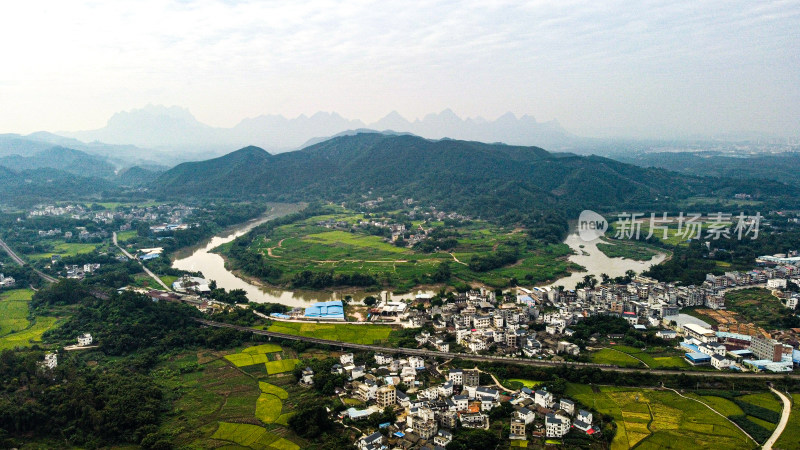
(487, 180)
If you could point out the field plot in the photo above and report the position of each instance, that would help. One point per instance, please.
(65, 249)
(15, 328)
(252, 436)
(356, 334)
(274, 390)
(659, 419)
(14, 310)
(219, 405)
(280, 366)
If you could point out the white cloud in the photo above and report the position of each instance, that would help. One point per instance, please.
(72, 64)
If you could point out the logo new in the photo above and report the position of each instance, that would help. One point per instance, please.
(591, 225)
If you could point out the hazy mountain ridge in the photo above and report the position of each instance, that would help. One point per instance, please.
(62, 158)
(470, 177)
(175, 128)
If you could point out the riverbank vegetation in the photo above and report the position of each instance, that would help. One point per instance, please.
(329, 247)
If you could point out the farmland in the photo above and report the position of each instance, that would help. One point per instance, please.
(224, 402)
(65, 249)
(356, 334)
(306, 245)
(15, 328)
(659, 419)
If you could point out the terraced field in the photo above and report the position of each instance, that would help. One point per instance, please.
(222, 405)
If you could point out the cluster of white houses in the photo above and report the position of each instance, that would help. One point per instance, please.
(734, 351)
(428, 414)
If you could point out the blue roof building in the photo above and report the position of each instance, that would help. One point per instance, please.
(332, 310)
(698, 358)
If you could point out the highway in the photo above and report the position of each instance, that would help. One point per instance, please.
(21, 262)
(488, 358)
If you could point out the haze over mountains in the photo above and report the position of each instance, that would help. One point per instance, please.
(160, 127)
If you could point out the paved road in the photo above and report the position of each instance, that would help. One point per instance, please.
(146, 270)
(507, 360)
(787, 409)
(21, 262)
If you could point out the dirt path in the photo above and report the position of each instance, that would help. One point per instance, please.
(632, 356)
(269, 250)
(456, 259)
(787, 409)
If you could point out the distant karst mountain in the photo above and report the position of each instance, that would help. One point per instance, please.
(175, 128)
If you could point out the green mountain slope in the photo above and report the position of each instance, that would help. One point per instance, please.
(487, 180)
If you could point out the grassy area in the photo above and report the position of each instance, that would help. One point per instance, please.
(629, 249)
(14, 310)
(65, 249)
(609, 356)
(723, 405)
(656, 358)
(168, 279)
(15, 328)
(790, 438)
(659, 419)
(756, 305)
(305, 245)
(280, 366)
(123, 236)
(764, 400)
(517, 383)
(357, 334)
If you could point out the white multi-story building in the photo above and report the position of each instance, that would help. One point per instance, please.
(85, 340)
(556, 426)
(50, 360)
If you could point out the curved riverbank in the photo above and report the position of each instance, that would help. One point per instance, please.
(212, 266)
(595, 262)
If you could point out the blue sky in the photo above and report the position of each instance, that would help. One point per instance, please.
(643, 69)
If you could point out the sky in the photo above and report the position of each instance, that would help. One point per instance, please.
(601, 68)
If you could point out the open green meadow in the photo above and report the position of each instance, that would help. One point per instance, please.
(306, 245)
(656, 358)
(65, 249)
(659, 419)
(356, 334)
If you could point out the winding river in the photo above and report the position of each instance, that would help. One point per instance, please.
(596, 262)
(212, 265)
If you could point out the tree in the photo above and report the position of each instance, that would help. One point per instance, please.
(370, 300)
